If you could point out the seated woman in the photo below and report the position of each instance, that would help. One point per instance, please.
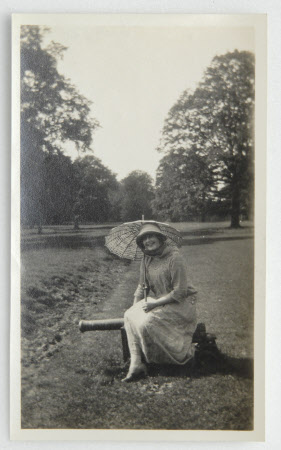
(160, 329)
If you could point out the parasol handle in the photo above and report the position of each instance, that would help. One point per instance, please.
(144, 291)
(144, 286)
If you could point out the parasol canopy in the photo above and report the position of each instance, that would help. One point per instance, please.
(122, 239)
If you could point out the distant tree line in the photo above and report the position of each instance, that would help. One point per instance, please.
(207, 168)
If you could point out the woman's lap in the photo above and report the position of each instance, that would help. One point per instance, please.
(164, 334)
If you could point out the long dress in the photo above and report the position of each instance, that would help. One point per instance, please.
(164, 334)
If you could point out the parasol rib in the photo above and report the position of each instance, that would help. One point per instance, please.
(128, 244)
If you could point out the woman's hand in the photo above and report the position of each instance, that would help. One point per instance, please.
(148, 305)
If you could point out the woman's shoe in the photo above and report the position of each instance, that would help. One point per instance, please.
(135, 373)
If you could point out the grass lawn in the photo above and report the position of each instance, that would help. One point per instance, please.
(72, 380)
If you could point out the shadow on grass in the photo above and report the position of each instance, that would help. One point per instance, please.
(60, 241)
(212, 240)
(220, 364)
(213, 231)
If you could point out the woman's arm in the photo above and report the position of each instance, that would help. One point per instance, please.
(179, 279)
(150, 304)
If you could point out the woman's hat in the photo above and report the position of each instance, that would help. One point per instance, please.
(148, 228)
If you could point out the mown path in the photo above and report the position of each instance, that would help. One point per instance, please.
(80, 387)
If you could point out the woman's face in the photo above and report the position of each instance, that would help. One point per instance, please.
(151, 242)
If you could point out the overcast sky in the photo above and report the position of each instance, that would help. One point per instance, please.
(133, 76)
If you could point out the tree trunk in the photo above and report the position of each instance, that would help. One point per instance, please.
(203, 212)
(235, 207)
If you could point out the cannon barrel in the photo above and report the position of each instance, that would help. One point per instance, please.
(101, 324)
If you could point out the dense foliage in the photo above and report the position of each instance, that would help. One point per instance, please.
(209, 146)
(94, 184)
(137, 194)
(52, 114)
(184, 183)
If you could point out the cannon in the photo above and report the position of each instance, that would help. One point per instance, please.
(108, 324)
(205, 343)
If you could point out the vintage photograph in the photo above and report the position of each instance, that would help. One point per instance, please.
(135, 150)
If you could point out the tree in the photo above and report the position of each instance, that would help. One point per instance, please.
(137, 195)
(59, 190)
(94, 184)
(52, 114)
(215, 122)
(183, 186)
